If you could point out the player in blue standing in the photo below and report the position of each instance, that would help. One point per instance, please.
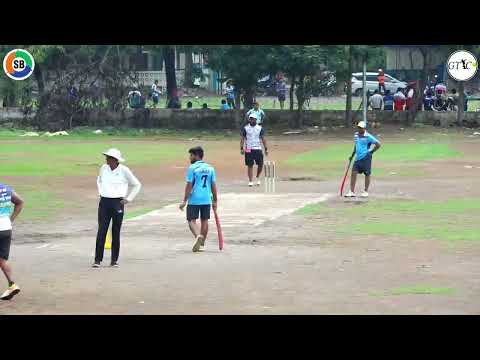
(200, 189)
(363, 160)
(7, 198)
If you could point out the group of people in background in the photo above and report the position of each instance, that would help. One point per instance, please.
(435, 97)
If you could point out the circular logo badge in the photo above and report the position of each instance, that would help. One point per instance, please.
(18, 64)
(462, 65)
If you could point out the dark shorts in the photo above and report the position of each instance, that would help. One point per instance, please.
(363, 166)
(281, 97)
(254, 156)
(194, 210)
(5, 241)
(155, 99)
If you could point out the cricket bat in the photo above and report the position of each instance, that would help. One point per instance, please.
(219, 231)
(345, 177)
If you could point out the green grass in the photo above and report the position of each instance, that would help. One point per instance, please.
(39, 205)
(452, 221)
(331, 161)
(415, 290)
(214, 102)
(419, 289)
(83, 133)
(267, 103)
(137, 212)
(52, 158)
(311, 209)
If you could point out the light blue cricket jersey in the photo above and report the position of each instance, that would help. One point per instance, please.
(202, 176)
(362, 144)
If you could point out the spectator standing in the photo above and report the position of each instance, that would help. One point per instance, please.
(381, 81)
(410, 97)
(260, 114)
(376, 101)
(230, 93)
(155, 93)
(388, 101)
(399, 100)
(281, 89)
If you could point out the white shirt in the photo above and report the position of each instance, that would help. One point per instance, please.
(376, 101)
(5, 207)
(253, 135)
(114, 183)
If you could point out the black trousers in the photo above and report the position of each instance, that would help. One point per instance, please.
(380, 86)
(109, 209)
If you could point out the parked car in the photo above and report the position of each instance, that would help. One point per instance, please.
(266, 86)
(391, 83)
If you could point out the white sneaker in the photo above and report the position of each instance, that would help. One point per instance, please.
(10, 292)
(198, 243)
(250, 183)
(259, 182)
(364, 194)
(350, 194)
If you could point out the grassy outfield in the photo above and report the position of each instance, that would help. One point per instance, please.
(444, 221)
(271, 102)
(45, 161)
(53, 158)
(266, 103)
(394, 157)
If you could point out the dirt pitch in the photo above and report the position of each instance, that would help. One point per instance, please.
(275, 261)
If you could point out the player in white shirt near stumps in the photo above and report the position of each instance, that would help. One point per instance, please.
(112, 183)
(252, 137)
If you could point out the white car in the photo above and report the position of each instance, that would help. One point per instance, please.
(391, 83)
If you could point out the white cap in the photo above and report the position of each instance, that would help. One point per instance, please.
(253, 115)
(362, 125)
(115, 153)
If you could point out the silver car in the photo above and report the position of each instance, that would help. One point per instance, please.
(391, 83)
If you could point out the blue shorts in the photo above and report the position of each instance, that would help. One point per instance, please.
(193, 211)
(364, 166)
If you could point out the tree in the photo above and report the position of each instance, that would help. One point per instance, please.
(169, 58)
(354, 56)
(301, 63)
(243, 64)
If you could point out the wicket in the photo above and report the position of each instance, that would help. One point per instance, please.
(270, 175)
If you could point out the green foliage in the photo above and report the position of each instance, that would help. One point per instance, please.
(330, 161)
(445, 221)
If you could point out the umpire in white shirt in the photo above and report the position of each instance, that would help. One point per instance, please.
(112, 185)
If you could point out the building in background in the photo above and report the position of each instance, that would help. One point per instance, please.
(405, 62)
(151, 68)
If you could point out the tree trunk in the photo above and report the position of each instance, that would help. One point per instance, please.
(138, 58)
(418, 97)
(301, 100)
(461, 102)
(39, 78)
(188, 70)
(292, 90)
(248, 99)
(169, 58)
(348, 108)
(300, 93)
